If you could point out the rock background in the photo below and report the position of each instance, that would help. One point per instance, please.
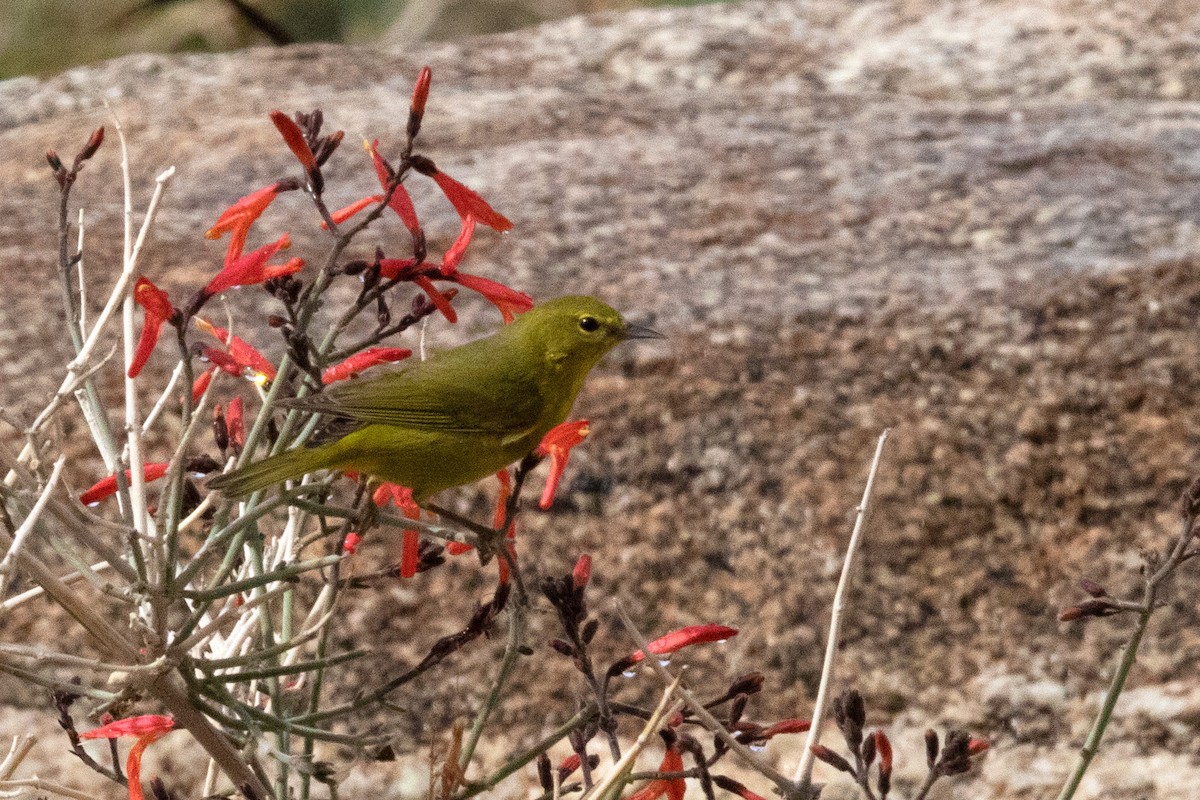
(974, 222)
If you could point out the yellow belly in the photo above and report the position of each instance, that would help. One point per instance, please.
(429, 461)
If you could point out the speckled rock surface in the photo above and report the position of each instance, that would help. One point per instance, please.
(972, 221)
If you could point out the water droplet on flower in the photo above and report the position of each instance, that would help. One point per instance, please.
(757, 747)
(629, 673)
(664, 662)
(722, 641)
(93, 504)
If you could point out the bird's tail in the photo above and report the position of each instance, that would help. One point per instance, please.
(270, 471)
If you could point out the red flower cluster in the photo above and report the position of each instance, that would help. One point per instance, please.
(557, 446)
(252, 268)
(402, 498)
(148, 729)
(238, 358)
(673, 788)
(157, 310)
(372, 356)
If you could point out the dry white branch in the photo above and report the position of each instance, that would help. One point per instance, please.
(26, 527)
(804, 768)
(21, 787)
(21, 745)
(38, 591)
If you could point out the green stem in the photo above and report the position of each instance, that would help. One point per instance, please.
(1092, 744)
(582, 717)
(516, 629)
(257, 581)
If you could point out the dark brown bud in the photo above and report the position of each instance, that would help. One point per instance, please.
(831, 758)
(1189, 503)
(423, 165)
(1098, 607)
(589, 630)
(328, 146)
(620, 667)
(563, 648)
(931, 747)
(220, 429)
(276, 321)
(868, 750)
(956, 755)
(750, 683)
(544, 776)
(850, 713)
(1092, 587)
(203, 464)
(737, 708)
(93, 144)
(54, 161)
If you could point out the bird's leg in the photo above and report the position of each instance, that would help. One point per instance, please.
(491, 543)
(368, 512)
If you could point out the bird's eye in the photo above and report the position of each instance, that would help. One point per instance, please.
(589, 324)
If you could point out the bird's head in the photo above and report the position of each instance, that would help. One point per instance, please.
(579, 330)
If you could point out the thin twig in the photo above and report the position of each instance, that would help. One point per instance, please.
(21, 745)
(22, 533)
(803, 776)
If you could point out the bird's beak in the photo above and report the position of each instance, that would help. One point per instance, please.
(641, 332)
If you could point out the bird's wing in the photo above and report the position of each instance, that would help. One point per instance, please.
(473, 391)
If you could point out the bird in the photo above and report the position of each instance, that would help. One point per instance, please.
(461, 415)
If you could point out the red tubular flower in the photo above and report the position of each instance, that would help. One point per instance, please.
(200, 385)
(157, 309)
(498, 517)
(785, 726)
(568, 765)
(557, 445)
(343, 214)
(509, 301)
(355, 364)
(455, 254)
(673, 789)
(238, 218)
(468, 203)
(730, 785)
(401, 497)
(437, 298)
(686, 637)
(582, 572)
(350, 546)
(148, 728)
(401, 202)
(294, 137)
(107, 487)
(883, 745)
(242, 355)
(222, 361)
(252, 268)
(421, 92)
(235, 422)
